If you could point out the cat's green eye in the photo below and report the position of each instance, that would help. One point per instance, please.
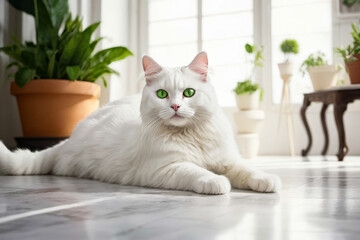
(189, 92)
(161, 93)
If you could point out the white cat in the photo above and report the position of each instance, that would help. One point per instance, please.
(177, 137)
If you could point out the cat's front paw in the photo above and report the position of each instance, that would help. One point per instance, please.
(213, 185)
(262, 182)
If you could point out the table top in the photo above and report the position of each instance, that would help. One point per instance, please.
(339, 94)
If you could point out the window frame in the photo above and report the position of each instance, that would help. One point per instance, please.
(262, 35)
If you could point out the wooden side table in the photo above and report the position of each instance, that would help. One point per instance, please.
(340, 97)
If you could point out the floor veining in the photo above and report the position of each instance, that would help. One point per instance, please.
(320, 199)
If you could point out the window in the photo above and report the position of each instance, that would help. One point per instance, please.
(309, 22)
(177, 30)
(180, 29)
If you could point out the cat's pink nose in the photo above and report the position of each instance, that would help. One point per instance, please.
(175, 107)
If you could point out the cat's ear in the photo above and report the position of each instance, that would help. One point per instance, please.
(150, 68)
(200, 65)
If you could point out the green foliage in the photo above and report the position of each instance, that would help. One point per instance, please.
(350, 3)
(352, 49)
(66, 54)
(289, 46)
(247, 87)
(256, 54)
(313, 60)
(256, 60)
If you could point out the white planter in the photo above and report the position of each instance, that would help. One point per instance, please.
(249, 121)
(248, 101)
(323, 77)
(286, 68)
(248, 145)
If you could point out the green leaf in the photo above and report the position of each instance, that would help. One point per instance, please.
(249, 48)
(77, 47)
(111, 55)
(23, 5)
(89, 50)
(11, 75)
(16, 40)
(24, 75)
(12, 64)
(93, 73)
(313, 60)
(73, 72)
(104, 82)
(46, 34)
(72, 27)
(289, 46)
(28, 57)
(246, 87)
(58, 10)
(41, 62)
(12, 51)
(52, 58)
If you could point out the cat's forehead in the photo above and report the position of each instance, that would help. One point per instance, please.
(176, 78)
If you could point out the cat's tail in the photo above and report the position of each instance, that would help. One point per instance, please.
(25, 162)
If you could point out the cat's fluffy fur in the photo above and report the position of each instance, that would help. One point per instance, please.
(140, 141)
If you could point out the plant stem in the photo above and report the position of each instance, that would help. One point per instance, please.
(36, 21)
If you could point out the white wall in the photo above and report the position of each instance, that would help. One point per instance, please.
(10, 24)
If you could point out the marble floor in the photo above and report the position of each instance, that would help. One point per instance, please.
(320, 199)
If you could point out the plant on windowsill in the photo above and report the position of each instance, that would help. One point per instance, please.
(248, 94)
(288, 47)
(49, 105)
(322, 75)
(351, 55)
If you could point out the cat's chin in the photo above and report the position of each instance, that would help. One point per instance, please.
(177, 121)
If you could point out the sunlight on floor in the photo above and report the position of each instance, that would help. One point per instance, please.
(319, 200)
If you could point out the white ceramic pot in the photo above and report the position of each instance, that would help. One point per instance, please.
(286, 68)
(248, 145)
(323, 77)
(248, 101)
(249, 121)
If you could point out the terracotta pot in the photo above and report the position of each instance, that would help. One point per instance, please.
(53, 107)
(354, 70)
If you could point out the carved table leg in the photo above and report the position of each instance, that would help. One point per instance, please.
(339, 110)
(324, 126)
(305, 105)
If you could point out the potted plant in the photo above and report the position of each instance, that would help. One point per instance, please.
(351, 55)
(288, 47)
(54, 81)
(322, 75)
(248, 94)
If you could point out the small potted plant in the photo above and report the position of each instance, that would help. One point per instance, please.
(288, 47)
(248, 94)
(54, 81)
(322, 75)
(351, 55)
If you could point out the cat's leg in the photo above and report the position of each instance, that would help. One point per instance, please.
(244, 177)
(188, 176)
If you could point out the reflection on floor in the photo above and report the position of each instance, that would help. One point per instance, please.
(320, 199)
